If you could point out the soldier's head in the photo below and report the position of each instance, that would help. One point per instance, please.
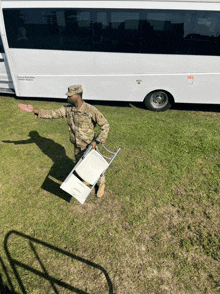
(74, 94)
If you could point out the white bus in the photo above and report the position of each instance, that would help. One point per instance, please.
(158, 52)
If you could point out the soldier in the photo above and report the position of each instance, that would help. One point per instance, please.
(82, 118)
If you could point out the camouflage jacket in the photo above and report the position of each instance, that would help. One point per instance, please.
(81, 123)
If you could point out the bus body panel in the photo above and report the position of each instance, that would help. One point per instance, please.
(27, 61)
(183, 87)
(129, 76)
(185, 5)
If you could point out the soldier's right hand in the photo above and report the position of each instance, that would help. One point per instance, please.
(28, 108)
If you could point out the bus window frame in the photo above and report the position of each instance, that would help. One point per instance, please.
(2, 50)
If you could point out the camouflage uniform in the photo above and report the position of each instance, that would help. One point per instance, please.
(81, 124)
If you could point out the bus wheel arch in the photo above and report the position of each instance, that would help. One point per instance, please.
(158, 100)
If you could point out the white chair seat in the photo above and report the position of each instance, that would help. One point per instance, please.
(76, 188)
(92, 167)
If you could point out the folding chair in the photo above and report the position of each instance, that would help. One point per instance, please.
(90, 168)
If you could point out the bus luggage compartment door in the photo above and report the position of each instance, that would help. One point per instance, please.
(6, 84)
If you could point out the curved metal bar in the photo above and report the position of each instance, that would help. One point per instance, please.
(101, 153)
(107, 149)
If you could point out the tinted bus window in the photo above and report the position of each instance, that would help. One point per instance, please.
(115, 30)
(181, 32)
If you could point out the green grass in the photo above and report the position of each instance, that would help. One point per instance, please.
(156, 230)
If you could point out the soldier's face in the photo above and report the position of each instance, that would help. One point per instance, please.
(73, 99)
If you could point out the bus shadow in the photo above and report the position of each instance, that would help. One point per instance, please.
(44, 265)
(196, 107)
(123, 104)
(176, 106)
(62, 164)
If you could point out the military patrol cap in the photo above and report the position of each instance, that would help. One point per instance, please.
(76, 89)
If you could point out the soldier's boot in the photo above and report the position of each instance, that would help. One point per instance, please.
(101, 190)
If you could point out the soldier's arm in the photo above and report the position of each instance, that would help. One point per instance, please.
(104, 126)
(58, 113)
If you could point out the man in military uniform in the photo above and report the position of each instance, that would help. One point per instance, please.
(82, 118)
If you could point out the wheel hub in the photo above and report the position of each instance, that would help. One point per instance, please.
(159, 99)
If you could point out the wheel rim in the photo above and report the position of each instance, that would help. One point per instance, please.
(159, 99)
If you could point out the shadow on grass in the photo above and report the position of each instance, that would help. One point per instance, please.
(4, 289)
(175, 106)
(41, 271)
(196, 107)
(61, 167)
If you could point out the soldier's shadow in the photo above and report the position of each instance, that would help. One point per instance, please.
(62, 164)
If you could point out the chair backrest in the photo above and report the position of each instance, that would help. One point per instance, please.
(91, 167)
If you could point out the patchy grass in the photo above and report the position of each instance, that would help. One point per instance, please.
(156, 230)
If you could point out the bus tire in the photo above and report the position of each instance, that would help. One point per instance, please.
(158, 100)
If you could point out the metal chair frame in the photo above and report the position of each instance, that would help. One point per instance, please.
(75, 186)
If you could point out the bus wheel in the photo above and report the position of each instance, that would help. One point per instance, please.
(158, 100)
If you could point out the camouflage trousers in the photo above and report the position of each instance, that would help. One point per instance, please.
(78, 154)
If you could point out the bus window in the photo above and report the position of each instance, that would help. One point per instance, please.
(1, 46)
(115, 30)
(181, 32)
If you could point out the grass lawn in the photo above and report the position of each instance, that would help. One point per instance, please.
(156, 230)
